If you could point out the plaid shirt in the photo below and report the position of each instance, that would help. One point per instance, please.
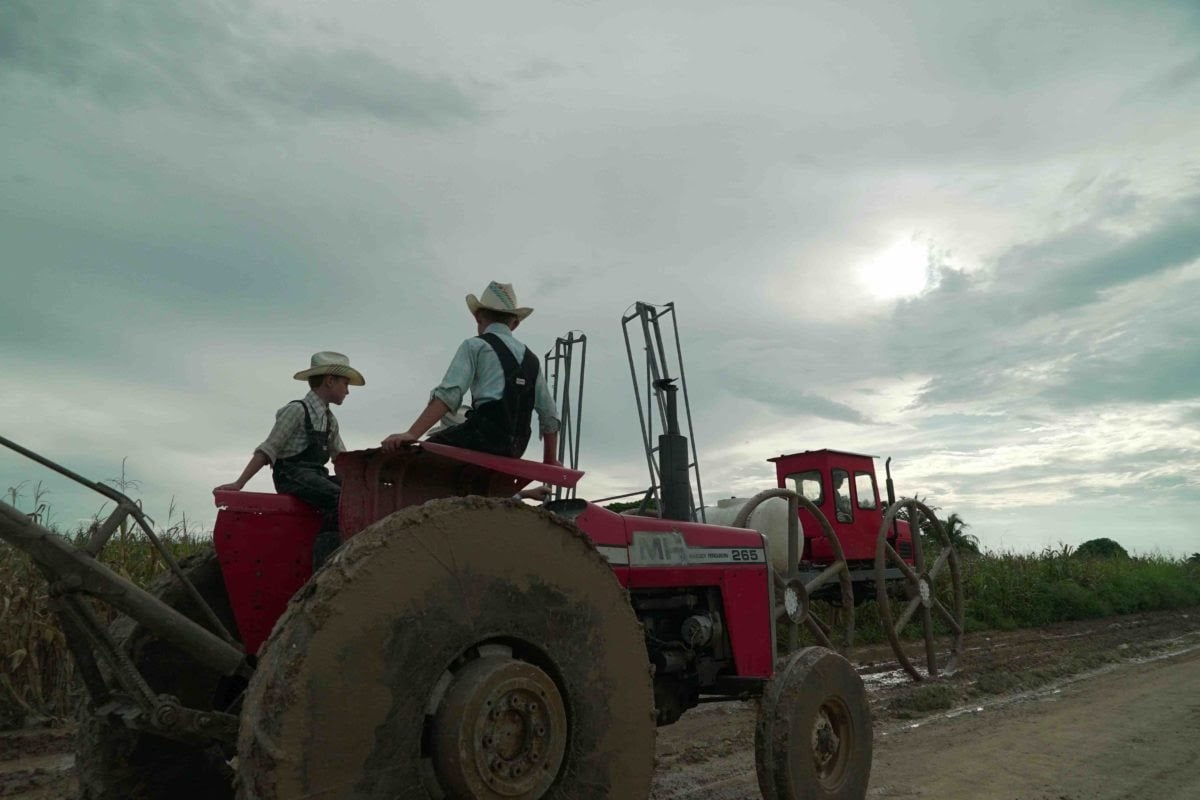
(289, 436)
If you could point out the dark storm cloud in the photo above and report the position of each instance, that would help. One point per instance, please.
(1166, 371)
(1074, 269)
(217, 57)
(783, 397)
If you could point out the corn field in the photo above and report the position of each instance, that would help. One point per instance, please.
(37, 674)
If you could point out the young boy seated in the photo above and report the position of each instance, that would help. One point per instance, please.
(305, 437)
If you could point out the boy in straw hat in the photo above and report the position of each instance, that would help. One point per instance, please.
(304, 438)
(505, 382)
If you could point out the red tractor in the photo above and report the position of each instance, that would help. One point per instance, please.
(837, 537)
(460, 644)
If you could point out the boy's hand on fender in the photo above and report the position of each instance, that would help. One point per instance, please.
(398, 440)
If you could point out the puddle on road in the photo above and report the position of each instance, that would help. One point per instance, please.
(886, 680)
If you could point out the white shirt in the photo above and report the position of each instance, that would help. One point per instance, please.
(476, 367)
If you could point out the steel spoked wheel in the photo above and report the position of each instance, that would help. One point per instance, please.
(794, 593)
(115, 762)
(813, 739)
(933, 592)
(468, 648)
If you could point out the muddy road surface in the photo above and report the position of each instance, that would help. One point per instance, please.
(1097, 710)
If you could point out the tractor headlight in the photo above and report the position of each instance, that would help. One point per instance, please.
(795, 601)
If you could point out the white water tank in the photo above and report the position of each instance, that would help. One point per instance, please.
(770, 519)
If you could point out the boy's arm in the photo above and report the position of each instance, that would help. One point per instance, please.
(550, 449)
(286, 421)
(434, 411)
(257, 462)
(548, 422)
(444, 398)
(336, 445)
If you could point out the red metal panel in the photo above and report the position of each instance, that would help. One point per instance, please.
(375, 483)
(261, 502)
(264, 546)
(747, 600)
(697, 534)
(603, 527)
(749, 616)
(532, 471)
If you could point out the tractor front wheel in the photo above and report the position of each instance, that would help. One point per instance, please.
(813, 737)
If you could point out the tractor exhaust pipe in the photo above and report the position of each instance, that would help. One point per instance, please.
(887, 467)
(673, 465)
(891, 490)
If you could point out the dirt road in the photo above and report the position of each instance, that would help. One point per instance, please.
(1097, 710)
(1131, 733)
(1128, 728)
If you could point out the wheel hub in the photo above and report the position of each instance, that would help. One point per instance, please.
(829, 757)
(500, 731)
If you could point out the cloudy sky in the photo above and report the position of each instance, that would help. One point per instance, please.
(964, 235)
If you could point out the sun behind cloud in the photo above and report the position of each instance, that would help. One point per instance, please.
(898, 272)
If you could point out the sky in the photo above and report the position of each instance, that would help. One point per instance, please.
(962, 235)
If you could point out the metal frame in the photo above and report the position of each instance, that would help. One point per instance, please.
(75, 574)
(658, 367)
(559, 365)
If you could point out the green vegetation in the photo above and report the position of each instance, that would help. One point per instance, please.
(1014, 590)
(1006, 591)
(1100, 548)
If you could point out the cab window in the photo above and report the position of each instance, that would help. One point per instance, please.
(841, 495)
(864, 489)
(808, 485)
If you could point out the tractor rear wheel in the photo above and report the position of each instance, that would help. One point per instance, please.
(813, 737)
(466, 648)
(114, 762)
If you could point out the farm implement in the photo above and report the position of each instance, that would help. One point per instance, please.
(463, 645)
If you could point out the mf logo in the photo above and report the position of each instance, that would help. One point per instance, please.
(653, 548)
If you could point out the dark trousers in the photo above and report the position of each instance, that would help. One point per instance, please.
(318, 488)
(476, 434)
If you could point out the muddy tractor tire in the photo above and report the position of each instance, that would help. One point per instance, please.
(466, 648)
(813, 739)
(115, 762)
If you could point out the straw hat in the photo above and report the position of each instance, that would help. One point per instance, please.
(328, 362)
(498, 297)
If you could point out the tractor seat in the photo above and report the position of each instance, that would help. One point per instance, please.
(262, 503)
